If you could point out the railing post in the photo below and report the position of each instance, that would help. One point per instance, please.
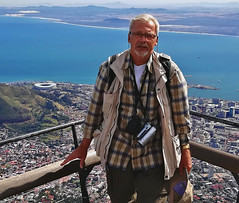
(83, 173)
(73, 128)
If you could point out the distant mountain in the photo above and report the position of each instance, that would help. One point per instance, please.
(222, 5)
(25, 110)
(116, 4)
(195, 18)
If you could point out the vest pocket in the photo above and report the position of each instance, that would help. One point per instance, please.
(108, 104)
(110, 99)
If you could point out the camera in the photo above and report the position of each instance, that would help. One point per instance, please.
(135, 125)
(140, 129)
(146, 133)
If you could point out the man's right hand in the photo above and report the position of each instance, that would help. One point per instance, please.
(80, 152)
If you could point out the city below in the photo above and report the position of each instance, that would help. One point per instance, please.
(211, 183)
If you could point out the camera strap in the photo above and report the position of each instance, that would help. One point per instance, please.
(138, 93)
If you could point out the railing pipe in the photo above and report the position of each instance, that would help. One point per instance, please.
(215, 157)
(215, 119)
(40, 132)
(28, 180)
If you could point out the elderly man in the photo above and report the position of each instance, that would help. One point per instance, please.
(139, 118)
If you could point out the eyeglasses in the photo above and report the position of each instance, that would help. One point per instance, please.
(147, 36)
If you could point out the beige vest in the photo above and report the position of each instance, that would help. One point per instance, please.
(170, 141)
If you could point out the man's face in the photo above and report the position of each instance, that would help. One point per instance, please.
(142, 38)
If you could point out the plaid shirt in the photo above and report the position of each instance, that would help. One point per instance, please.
(124, 147)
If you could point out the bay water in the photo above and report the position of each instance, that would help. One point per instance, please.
(42, 50)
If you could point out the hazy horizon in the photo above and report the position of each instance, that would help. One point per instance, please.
(116, 3)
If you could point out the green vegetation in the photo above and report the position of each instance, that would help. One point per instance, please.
(25, 110)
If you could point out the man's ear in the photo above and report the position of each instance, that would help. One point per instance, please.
(156, 43)
(129, 40)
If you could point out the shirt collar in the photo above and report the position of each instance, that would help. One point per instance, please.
(150, 64)
(129, 63)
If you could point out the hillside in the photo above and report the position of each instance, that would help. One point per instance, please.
(23, 109)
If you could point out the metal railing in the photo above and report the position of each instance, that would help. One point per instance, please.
(28, 180)
(40, 132)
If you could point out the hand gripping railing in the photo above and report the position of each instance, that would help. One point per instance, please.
(29, 180)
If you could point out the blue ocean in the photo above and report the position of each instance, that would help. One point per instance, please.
(43, 50)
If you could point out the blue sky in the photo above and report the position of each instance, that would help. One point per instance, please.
(97, 2)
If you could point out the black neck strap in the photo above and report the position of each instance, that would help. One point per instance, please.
(138, 93)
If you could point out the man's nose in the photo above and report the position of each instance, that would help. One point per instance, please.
(143, 37)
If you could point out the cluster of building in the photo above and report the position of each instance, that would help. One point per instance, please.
(211, 183)
(215, 134)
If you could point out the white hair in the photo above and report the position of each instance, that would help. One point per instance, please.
(147, 18)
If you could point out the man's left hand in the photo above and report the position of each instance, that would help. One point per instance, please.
(186, 161)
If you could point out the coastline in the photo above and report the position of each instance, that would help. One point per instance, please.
(57, 20)
(56, 83)
(89, 78)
